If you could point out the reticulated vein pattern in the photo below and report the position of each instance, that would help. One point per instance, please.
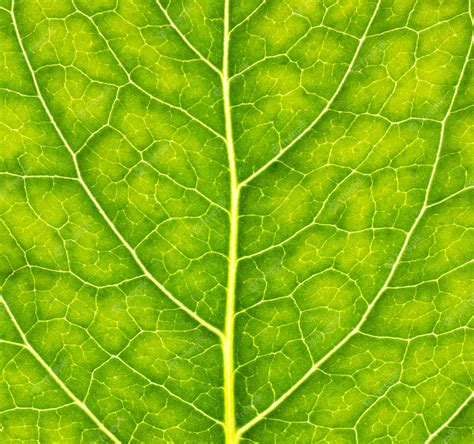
(231, 221)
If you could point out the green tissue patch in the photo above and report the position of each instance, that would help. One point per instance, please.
(236, 221)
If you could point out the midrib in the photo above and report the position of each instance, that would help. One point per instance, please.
(228, 340)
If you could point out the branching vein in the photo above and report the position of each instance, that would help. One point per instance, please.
(56, 379)
(109, 222)
(370, 307)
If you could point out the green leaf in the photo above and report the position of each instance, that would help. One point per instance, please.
(236, 221)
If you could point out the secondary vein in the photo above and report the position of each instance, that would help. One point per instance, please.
(323, 112)
(55, 377)
(397, 261)
(98, 207)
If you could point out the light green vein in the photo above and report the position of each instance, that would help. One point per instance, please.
(186, 40)
(138, 261)
(55, 377)
(324, 110)
(367, 312)
(450, 419)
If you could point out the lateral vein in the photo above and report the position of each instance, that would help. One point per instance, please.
(397, 261)
(324, 110)
(128, 74)
(450, 419)
(55, 377)
(106, 218)
(186, 40)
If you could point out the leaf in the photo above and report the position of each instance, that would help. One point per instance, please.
(227, 221)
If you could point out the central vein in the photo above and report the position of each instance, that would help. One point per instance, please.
(228, 341)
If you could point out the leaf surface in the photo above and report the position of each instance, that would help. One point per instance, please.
(236, 221)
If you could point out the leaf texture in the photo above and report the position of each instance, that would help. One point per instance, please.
(231, 221)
